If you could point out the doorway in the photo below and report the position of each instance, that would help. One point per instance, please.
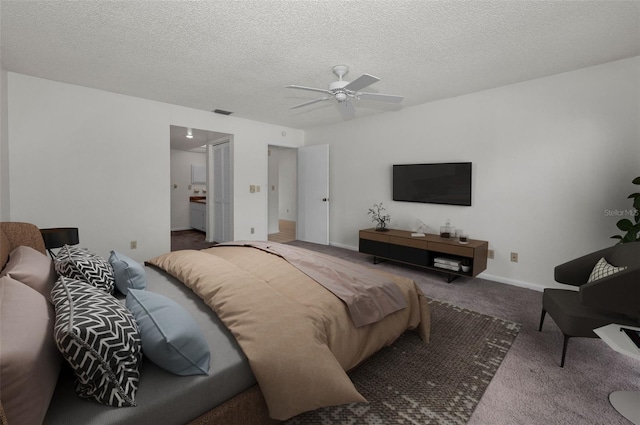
(188, 148)
(282, 199)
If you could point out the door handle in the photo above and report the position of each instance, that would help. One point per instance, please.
(325, 199)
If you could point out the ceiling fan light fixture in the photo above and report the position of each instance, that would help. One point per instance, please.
(342, 90)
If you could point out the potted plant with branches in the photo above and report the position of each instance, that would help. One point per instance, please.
(632, 228)
(380, 217)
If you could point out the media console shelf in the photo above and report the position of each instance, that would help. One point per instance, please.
(400, 246)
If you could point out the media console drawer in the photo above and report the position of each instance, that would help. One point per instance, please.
(400, 246)
(419, 243)
(460, 250)
(374, 236)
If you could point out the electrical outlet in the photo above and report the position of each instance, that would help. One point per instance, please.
(253, 230)
(514, 257)
(491, 254)
(134, 244)
(252, 188)
(258, 188)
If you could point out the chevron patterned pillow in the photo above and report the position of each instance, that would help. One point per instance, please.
(81, 264)
(100, 339)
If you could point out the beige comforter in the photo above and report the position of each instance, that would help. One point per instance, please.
(297, 335)
(369, 295)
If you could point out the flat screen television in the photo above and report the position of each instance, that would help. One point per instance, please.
(441, 183)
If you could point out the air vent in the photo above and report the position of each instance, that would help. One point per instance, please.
(220, 111)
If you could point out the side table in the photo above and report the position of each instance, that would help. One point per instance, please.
(57, 237)
(627, 403)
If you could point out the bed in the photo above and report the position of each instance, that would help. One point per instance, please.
(247, 296)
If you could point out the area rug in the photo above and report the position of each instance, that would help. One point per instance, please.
(441, 382)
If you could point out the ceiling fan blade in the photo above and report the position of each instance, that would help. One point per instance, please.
(365, 80)
(311, 102)
(379, 97)
(308, 88)
(346, 109)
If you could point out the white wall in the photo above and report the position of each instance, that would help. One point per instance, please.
(549, 157)
(181, 162)
(100, 161)
(4, 148)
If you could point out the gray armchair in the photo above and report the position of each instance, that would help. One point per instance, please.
(611, 299)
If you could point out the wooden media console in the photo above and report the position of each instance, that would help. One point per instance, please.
(429, 251)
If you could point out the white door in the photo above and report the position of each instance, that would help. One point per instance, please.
(313, 194)
(222, 195)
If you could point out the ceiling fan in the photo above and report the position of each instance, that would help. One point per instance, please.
(345, 92)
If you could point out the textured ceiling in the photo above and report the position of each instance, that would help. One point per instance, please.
(239, 55)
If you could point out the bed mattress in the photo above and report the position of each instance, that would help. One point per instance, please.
(162, 397)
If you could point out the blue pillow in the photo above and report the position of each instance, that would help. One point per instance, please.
(170, 337)
(128, 273)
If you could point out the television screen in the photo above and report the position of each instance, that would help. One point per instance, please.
(444, 183)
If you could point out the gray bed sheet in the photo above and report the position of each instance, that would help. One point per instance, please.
(164, 398)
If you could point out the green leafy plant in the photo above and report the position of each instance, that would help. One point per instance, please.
(631, 228)
(379, 216)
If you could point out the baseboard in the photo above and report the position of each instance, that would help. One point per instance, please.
(179, 229)
(339, 245)
(513, 282)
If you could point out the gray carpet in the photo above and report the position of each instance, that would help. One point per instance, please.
(435, 383)
(529, 388)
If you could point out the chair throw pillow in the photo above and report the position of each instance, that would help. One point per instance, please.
(603, 269)
(171, 338)
(81, 264)
(128, 273)
(99, 338)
